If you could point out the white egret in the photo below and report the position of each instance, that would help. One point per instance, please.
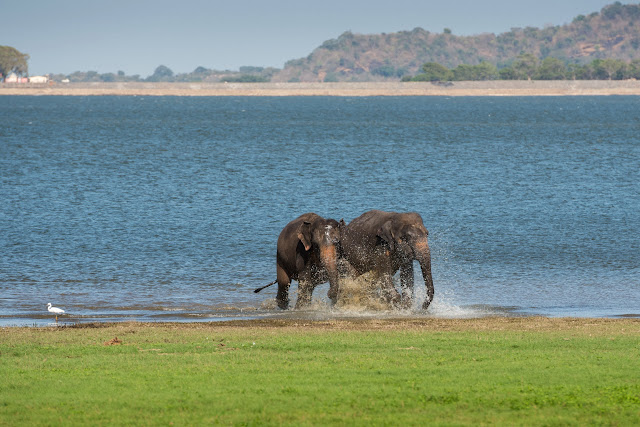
(55, 310)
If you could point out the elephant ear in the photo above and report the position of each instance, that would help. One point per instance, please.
(386, 233)
(304, 234)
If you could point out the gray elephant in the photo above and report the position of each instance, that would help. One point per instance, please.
(385, 242)
(307, 252)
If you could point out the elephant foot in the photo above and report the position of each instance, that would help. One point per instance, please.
(333, 296)
(393, 298)
(405, 304)
(303, 301)
(407, 299)
(302, 304)
(282, 304)
(401, 304)
(304, 295)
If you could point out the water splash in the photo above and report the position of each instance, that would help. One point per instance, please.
(361, 297)
(444, 306)
(361, 294)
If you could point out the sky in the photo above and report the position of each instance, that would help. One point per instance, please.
(136, 36)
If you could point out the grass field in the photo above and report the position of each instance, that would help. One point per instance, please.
(506, 371)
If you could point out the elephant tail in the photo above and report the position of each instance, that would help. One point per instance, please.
(264, 287)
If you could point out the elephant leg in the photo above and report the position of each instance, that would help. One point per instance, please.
(389, 292)
(406, 283)
(334, 289)
(305, 289)
(282, 298)
(333, 294)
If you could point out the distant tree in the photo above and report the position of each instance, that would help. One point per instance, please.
(401, 72)
(580, 72)
(551, 69)
(482, 71)
(613, 10)
(486, 71)
(464, 72)
(331, 78)
(108, 77)
(608, 69)
(597, 71)
(433, 72)
(13, 61)
(573, 71)
(386, 71)
(579, 18)
(447, 30)
(508, 73)
(161, 74)
(525, 66)
(84, 76)
(248, 69)
(614, 69)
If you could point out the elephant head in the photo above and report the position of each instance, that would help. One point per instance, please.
(322, 236)
(407, 240)
(320, 232)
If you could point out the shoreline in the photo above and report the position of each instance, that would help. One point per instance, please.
(489, 323)
(475, 88)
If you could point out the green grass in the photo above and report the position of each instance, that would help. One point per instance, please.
(484, 371)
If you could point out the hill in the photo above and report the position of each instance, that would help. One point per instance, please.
(612, 33)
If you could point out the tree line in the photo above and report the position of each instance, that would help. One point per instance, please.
(164, 74)
(529, 67)
(14, 61)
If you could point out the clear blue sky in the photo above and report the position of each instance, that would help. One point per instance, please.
(136, 36)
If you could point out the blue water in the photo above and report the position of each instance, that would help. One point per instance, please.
(168, 208)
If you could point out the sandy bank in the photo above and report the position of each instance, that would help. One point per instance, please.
(596, 326)
(486, 88)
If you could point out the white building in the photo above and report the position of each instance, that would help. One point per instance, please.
(13, 78)
(39, 79)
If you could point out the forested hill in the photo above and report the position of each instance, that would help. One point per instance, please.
(614, 32)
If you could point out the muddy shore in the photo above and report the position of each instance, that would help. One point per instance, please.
(595, 326)
(485, 88)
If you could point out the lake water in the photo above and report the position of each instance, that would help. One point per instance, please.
(168, 208)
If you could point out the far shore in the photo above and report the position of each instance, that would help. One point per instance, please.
(476, 88)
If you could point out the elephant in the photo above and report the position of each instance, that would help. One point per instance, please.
(385, 242)
(307, 252)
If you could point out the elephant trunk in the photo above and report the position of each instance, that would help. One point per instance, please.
(328, 258)
(423, 256)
